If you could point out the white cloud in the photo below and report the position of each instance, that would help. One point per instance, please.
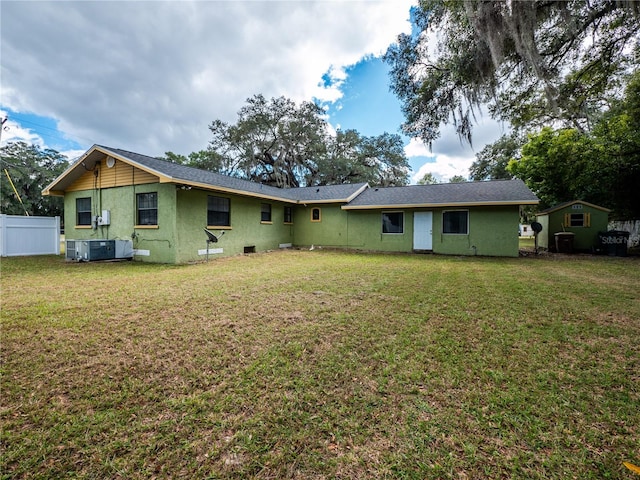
(444, 167)
(72, 154)
(14, 132)
(417, 148)
(451, 156)
(438, 162)
(151, 76)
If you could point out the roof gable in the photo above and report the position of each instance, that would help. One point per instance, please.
(561, 206)
(99, 168)
(162, 171)
(328, 193)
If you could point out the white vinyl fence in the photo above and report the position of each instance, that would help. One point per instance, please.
(29, 235)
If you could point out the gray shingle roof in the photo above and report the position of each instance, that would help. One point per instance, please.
(187, 174)
(328, 192)
(356, 196)
(183, 173)
(510, 192)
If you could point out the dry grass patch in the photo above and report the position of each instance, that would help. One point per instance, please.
(321, 365)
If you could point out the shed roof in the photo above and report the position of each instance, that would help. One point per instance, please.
(493, 192)
(169, 172)
(560, 206)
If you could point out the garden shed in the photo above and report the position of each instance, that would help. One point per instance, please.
(575, 225)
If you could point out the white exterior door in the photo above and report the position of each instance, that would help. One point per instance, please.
(422, 230)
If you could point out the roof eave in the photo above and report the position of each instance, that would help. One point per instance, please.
(316, 202)
(50, 189)
(568, 204)
(440, 205)
(216, 188)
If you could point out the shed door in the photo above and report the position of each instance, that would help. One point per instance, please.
(422, 230)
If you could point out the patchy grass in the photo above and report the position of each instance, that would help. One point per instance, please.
(321, 365)
(528, 243)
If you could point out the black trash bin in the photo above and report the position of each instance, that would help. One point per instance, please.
(564, 242)
(614, 242)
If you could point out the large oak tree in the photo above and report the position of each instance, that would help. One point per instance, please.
(532, 62)
(278, 142)
(30, 169)
(601, 166)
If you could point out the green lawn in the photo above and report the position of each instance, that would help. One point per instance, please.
(527, 243)
(298, 364)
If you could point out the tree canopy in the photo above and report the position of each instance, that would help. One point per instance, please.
(458, 179)
(31, 169)
(277, 142)
(203, 159)
(601, 166)
(533, 63)
(491, 162)
(428, 179)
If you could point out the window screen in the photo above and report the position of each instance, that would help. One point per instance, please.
(393, 222)
(265, 212)
(218, 211)
(288, 215)
(147, 208)
(83, 211)
(455, 221)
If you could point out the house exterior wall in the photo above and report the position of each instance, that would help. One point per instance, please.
(365, 231)
(357, 229)
(154, 244)
(119, 175)
(586, 237)
(246, 229)
(330, 231)
(543, 236)
(493, 231)
(182, 215)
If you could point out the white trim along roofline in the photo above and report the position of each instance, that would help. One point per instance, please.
(215, 182)
(439, 205)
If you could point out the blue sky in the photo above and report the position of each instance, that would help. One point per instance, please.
(36, 128)
(108, 73)
(367, 104)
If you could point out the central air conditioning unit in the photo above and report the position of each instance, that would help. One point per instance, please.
(124, 249)
(94, 250)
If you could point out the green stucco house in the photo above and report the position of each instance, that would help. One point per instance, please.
(580, 220)
(163, 208)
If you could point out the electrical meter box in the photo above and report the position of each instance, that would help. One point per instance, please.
(105, 218)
